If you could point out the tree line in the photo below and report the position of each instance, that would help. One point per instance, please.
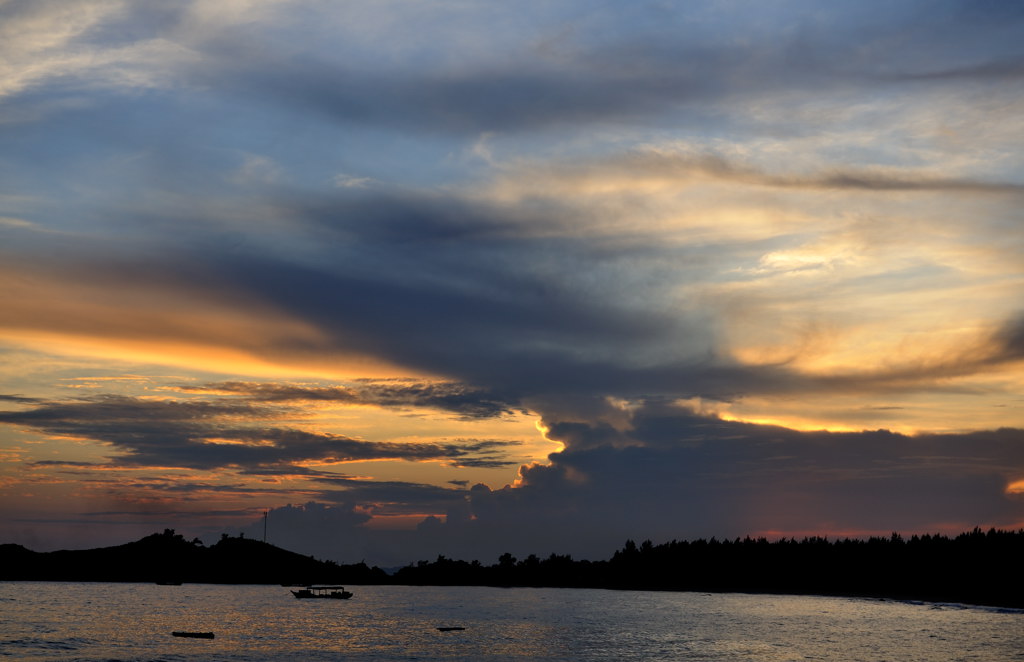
(976, 567)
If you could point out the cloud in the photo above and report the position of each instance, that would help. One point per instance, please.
(383, 497)
(351, 181)
(543, 291)
(208, 435)
(659, 471)
(325, 531)
(589, 215)
(1008, 342)
(678, 69)
(671, 474)
(443, 286)
(403, 393)
(617, 65)
(665, 473)
(17, 223)
(93, 42)
(332, 530)
(62, 463)
(660, 170)
(17, 398)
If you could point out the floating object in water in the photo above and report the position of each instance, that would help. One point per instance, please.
(193, 635)
(329, 592)
(451, 629)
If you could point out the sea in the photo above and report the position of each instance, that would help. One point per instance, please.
(101, 621)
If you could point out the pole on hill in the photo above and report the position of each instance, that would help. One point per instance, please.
(265, 513)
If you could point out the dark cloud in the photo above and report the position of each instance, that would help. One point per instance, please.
(175, 513)
(671, 69)
(156, 491)
(20, 399)
(662, 472)
(672, 474)
(144, 228)
(488, 100)
(511, 316)
(881, 182)
(682, 168)
(1009, 341)
(458, 398)
(477, 293)
(468, 306)
(205, 435)
(406, 282)
(383, 497)
(115, 409)
(326, 531)
(589, 83)
(1006, 70)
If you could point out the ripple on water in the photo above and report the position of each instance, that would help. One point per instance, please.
(133, 623)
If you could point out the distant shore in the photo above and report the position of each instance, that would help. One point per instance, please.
(976, 567)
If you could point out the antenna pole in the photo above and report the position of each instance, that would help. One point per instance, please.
(265, 513)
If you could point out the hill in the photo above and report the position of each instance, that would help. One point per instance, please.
(168, 557)
(976, 567)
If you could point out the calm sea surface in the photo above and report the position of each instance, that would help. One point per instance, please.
(56, 621)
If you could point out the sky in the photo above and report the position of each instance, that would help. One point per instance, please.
(421, 277)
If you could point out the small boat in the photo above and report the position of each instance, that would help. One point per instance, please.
(328, 592)
(193, 635)
(451, 629)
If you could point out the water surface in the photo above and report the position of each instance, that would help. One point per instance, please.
(98, 621)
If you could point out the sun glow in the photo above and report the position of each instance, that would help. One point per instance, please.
(214, 358)
(220, 441)
(544, 430)
(798, 423)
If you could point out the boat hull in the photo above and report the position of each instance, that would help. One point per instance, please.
(322, 594)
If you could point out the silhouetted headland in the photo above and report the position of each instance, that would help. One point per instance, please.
(977, 567)
(168, 558)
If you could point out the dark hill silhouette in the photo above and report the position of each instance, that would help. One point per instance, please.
(168, 557)
(977, 567)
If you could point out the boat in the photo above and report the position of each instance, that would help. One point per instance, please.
(328, 592)
(193, 635)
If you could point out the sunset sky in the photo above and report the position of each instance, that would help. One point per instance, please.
(461, 277)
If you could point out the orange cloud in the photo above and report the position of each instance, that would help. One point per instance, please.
(79, 311)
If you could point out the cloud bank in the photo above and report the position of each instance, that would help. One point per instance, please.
(372, 263)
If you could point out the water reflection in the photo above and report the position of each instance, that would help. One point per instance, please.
(51, 621)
